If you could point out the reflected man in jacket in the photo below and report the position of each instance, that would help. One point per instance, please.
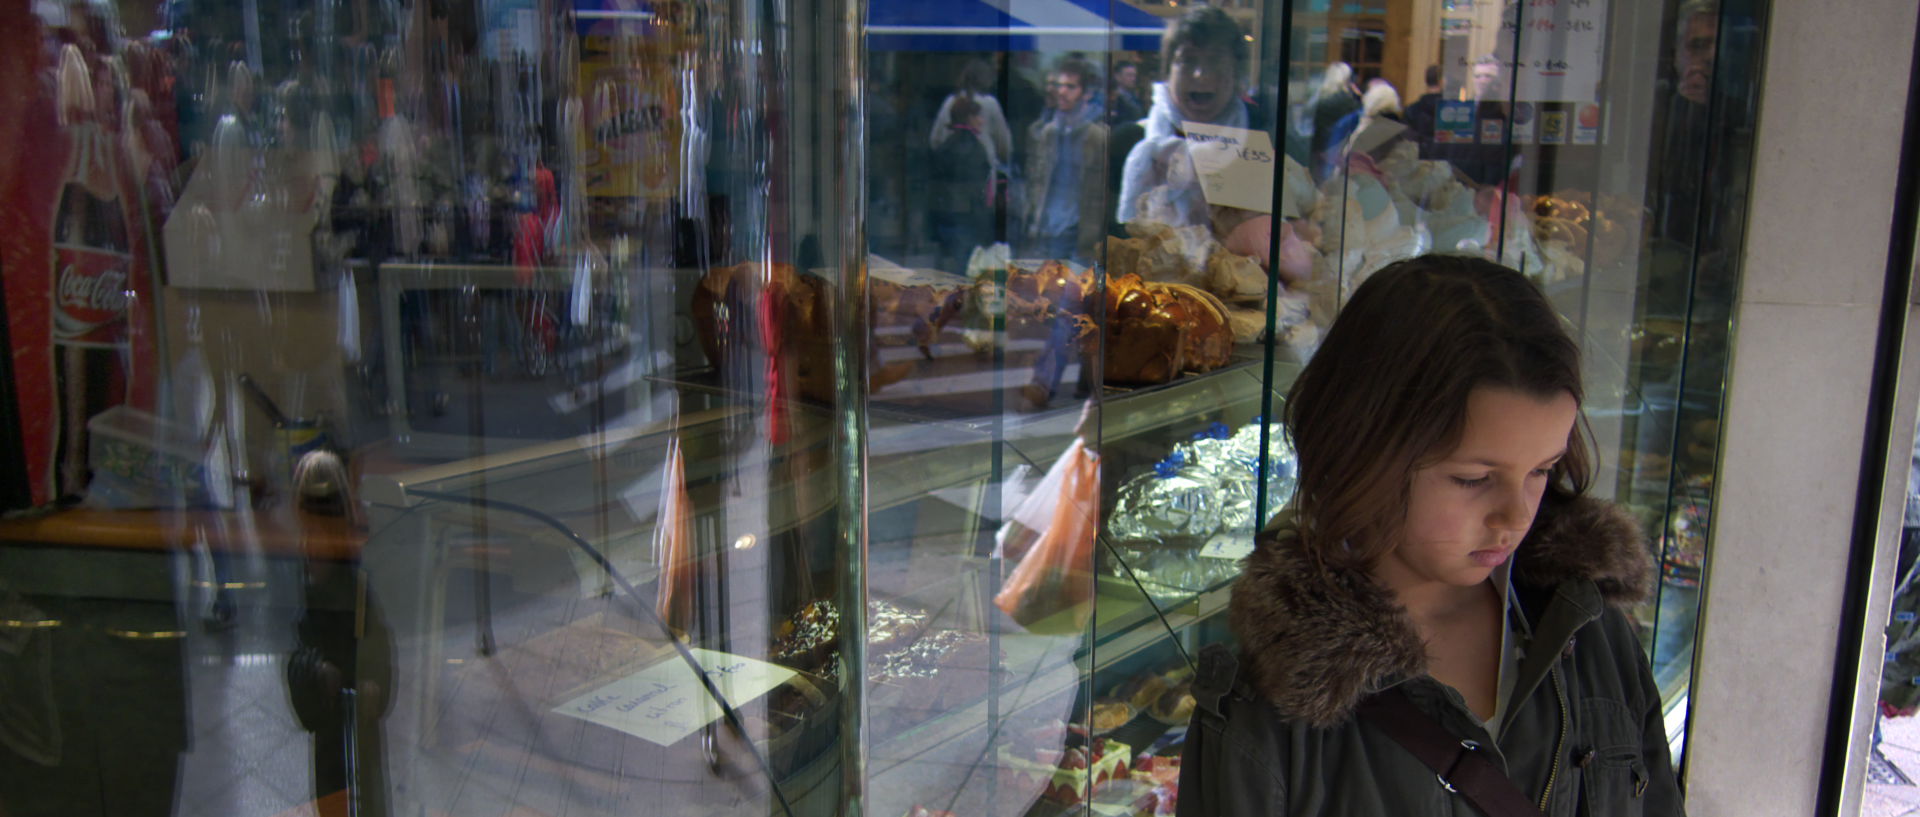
(1065, 189)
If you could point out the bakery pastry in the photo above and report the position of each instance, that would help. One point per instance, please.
(1141, 690)
(1134, 331)
(1235, 277)
(1155, 331)
(1110, 715)
(1175, 705)
(1187, 255)
(809, 639)
(740, 307)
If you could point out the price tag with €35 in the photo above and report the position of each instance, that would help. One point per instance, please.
(1235, 165)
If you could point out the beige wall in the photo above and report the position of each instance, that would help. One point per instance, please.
(1815, 261)
(1413, 43)
(288, 342)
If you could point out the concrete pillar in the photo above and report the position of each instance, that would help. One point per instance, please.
(1826, 154)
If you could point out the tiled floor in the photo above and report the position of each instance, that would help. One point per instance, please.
(1900, 745)
(249, 757)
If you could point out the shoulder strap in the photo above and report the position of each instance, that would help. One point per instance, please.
(1214, 677)
(1459, 764)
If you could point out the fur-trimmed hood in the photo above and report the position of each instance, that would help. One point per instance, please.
(1315, 642)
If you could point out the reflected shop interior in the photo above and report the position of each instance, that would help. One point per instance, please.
(593, 407)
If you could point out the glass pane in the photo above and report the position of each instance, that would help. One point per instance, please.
(1599, 148)
(566, 406)
(430, 407)
(1071, 347)
(1890, 763)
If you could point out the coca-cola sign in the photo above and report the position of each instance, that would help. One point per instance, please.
(90, 306)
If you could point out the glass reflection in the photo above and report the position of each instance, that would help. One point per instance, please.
(407, 352)
(1596, 149)
(409, 390)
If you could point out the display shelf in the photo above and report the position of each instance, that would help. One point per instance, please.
(601, 481)
(1124, 625)
(1137, 734)
(604, 488)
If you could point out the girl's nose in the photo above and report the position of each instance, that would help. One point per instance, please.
(1514, 512)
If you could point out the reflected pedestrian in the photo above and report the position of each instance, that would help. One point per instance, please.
(975, 81)
(962, 196)
(1425, 111)
(1126, 105)
(1066, 151)
(1206, 57)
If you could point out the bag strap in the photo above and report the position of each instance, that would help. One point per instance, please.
(1460, 765)
(1213, 679)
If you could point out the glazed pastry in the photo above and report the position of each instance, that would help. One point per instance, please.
(1156, 331)
(1175, 705)
(1567, 231)
(1141, 690)
(1111, 715)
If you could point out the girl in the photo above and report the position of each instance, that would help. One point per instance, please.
(1436, 615)
(975, 80)
(960, 200)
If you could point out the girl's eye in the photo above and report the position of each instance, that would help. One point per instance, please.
(1473, 482)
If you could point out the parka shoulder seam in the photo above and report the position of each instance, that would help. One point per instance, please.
(1231, 732)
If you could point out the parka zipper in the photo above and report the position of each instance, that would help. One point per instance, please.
(1560, 748)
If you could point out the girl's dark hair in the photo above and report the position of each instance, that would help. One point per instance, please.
(964, 108)
(1205, 27)
(1387, 393)
(976, 76)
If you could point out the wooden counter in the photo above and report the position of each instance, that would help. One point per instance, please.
(279, 532)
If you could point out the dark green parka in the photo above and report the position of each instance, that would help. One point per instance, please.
(1275, 731)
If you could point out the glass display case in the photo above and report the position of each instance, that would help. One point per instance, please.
(691, 407)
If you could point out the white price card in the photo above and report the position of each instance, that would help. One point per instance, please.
(666, 702)
(1232, 547)
(1235, 165)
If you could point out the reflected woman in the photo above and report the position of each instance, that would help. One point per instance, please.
(1206, 55)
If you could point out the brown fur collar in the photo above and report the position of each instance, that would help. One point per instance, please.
(1315, 642)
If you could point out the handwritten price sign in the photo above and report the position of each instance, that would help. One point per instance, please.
(666, 702)
(1235, 165)
(1560, 41)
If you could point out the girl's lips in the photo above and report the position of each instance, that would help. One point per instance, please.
(1200, 98)
(1490, 558)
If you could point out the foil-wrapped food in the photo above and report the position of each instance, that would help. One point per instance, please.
(1183, 526)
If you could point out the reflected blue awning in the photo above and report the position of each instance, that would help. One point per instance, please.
(1010, 25)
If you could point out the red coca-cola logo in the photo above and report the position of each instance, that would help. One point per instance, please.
(90, 295)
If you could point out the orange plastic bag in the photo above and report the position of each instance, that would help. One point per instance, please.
(673, 543)
(1051, 589)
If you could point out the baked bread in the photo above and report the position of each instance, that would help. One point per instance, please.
(1153, 331)
(1156, 331)
(730, 309)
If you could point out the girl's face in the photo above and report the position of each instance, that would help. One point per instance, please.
(1467, 513)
